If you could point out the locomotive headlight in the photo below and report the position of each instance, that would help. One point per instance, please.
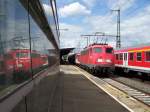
(20, 65)
(108, 60)
(99, 60)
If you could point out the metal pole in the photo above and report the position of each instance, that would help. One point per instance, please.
(118, 37)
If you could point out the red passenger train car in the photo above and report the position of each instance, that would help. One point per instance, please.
(96, 57)
(133, 59)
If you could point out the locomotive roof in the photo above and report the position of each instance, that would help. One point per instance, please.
(135, 46)
(98, 44)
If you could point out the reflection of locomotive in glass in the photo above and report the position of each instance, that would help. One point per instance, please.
(96, 57)
(18, 61)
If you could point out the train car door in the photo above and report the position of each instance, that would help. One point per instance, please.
(125, 59)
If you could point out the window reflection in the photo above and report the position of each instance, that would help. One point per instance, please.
(20, 59)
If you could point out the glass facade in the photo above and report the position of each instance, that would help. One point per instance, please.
(26, 47)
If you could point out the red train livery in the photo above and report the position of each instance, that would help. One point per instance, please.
(17, 60)
(20, 59)
(133, 59)
(96, 57)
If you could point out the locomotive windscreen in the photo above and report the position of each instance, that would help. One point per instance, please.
(109, 50)
(21, 55)
(97, 50)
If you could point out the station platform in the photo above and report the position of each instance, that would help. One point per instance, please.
(68, 91)
(75, 93)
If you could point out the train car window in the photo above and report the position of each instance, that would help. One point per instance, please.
(8, 56)
(139, 56)
(1, 65)
(117, 57)
(109, 50)
(97, 50)
(22, 55)
(131, 56)
(147, 55)
(125, 56)
(121, 56)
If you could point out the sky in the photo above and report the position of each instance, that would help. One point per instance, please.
(89, 16)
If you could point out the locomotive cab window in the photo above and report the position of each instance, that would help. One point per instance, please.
(97, 50)
(131, 56)
(147, 56)
(139, 56)
(21, 55)
(84, 52)
(109, 50)
(34, 55)
(8, 56)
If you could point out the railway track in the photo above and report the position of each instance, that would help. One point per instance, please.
(135, 93)
(133, 87)
(134, 83)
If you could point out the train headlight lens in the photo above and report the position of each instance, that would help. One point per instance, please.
(108, 60)
(20, 65)
(99, 60)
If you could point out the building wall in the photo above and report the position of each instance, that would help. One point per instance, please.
(29, 25)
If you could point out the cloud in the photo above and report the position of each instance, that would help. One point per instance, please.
(122, 4)
(73, 9)
(71, 37)
(134, 30)
(47, 9)
(90, 3)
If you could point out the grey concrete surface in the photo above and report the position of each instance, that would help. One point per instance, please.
(75, 93)
(68, 92)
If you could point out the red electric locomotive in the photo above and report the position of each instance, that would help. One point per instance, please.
(96, 57)
(17, 61)
(133, 59)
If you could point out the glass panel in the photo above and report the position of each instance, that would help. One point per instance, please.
(147, 56)
(22, 55)
(121, 56)
(109, 50)
(131, 56)
(125, 56)
(48, 9)
(84, 52)
(97, 50)
(13, 30)
(117, 56)
(139, 58)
